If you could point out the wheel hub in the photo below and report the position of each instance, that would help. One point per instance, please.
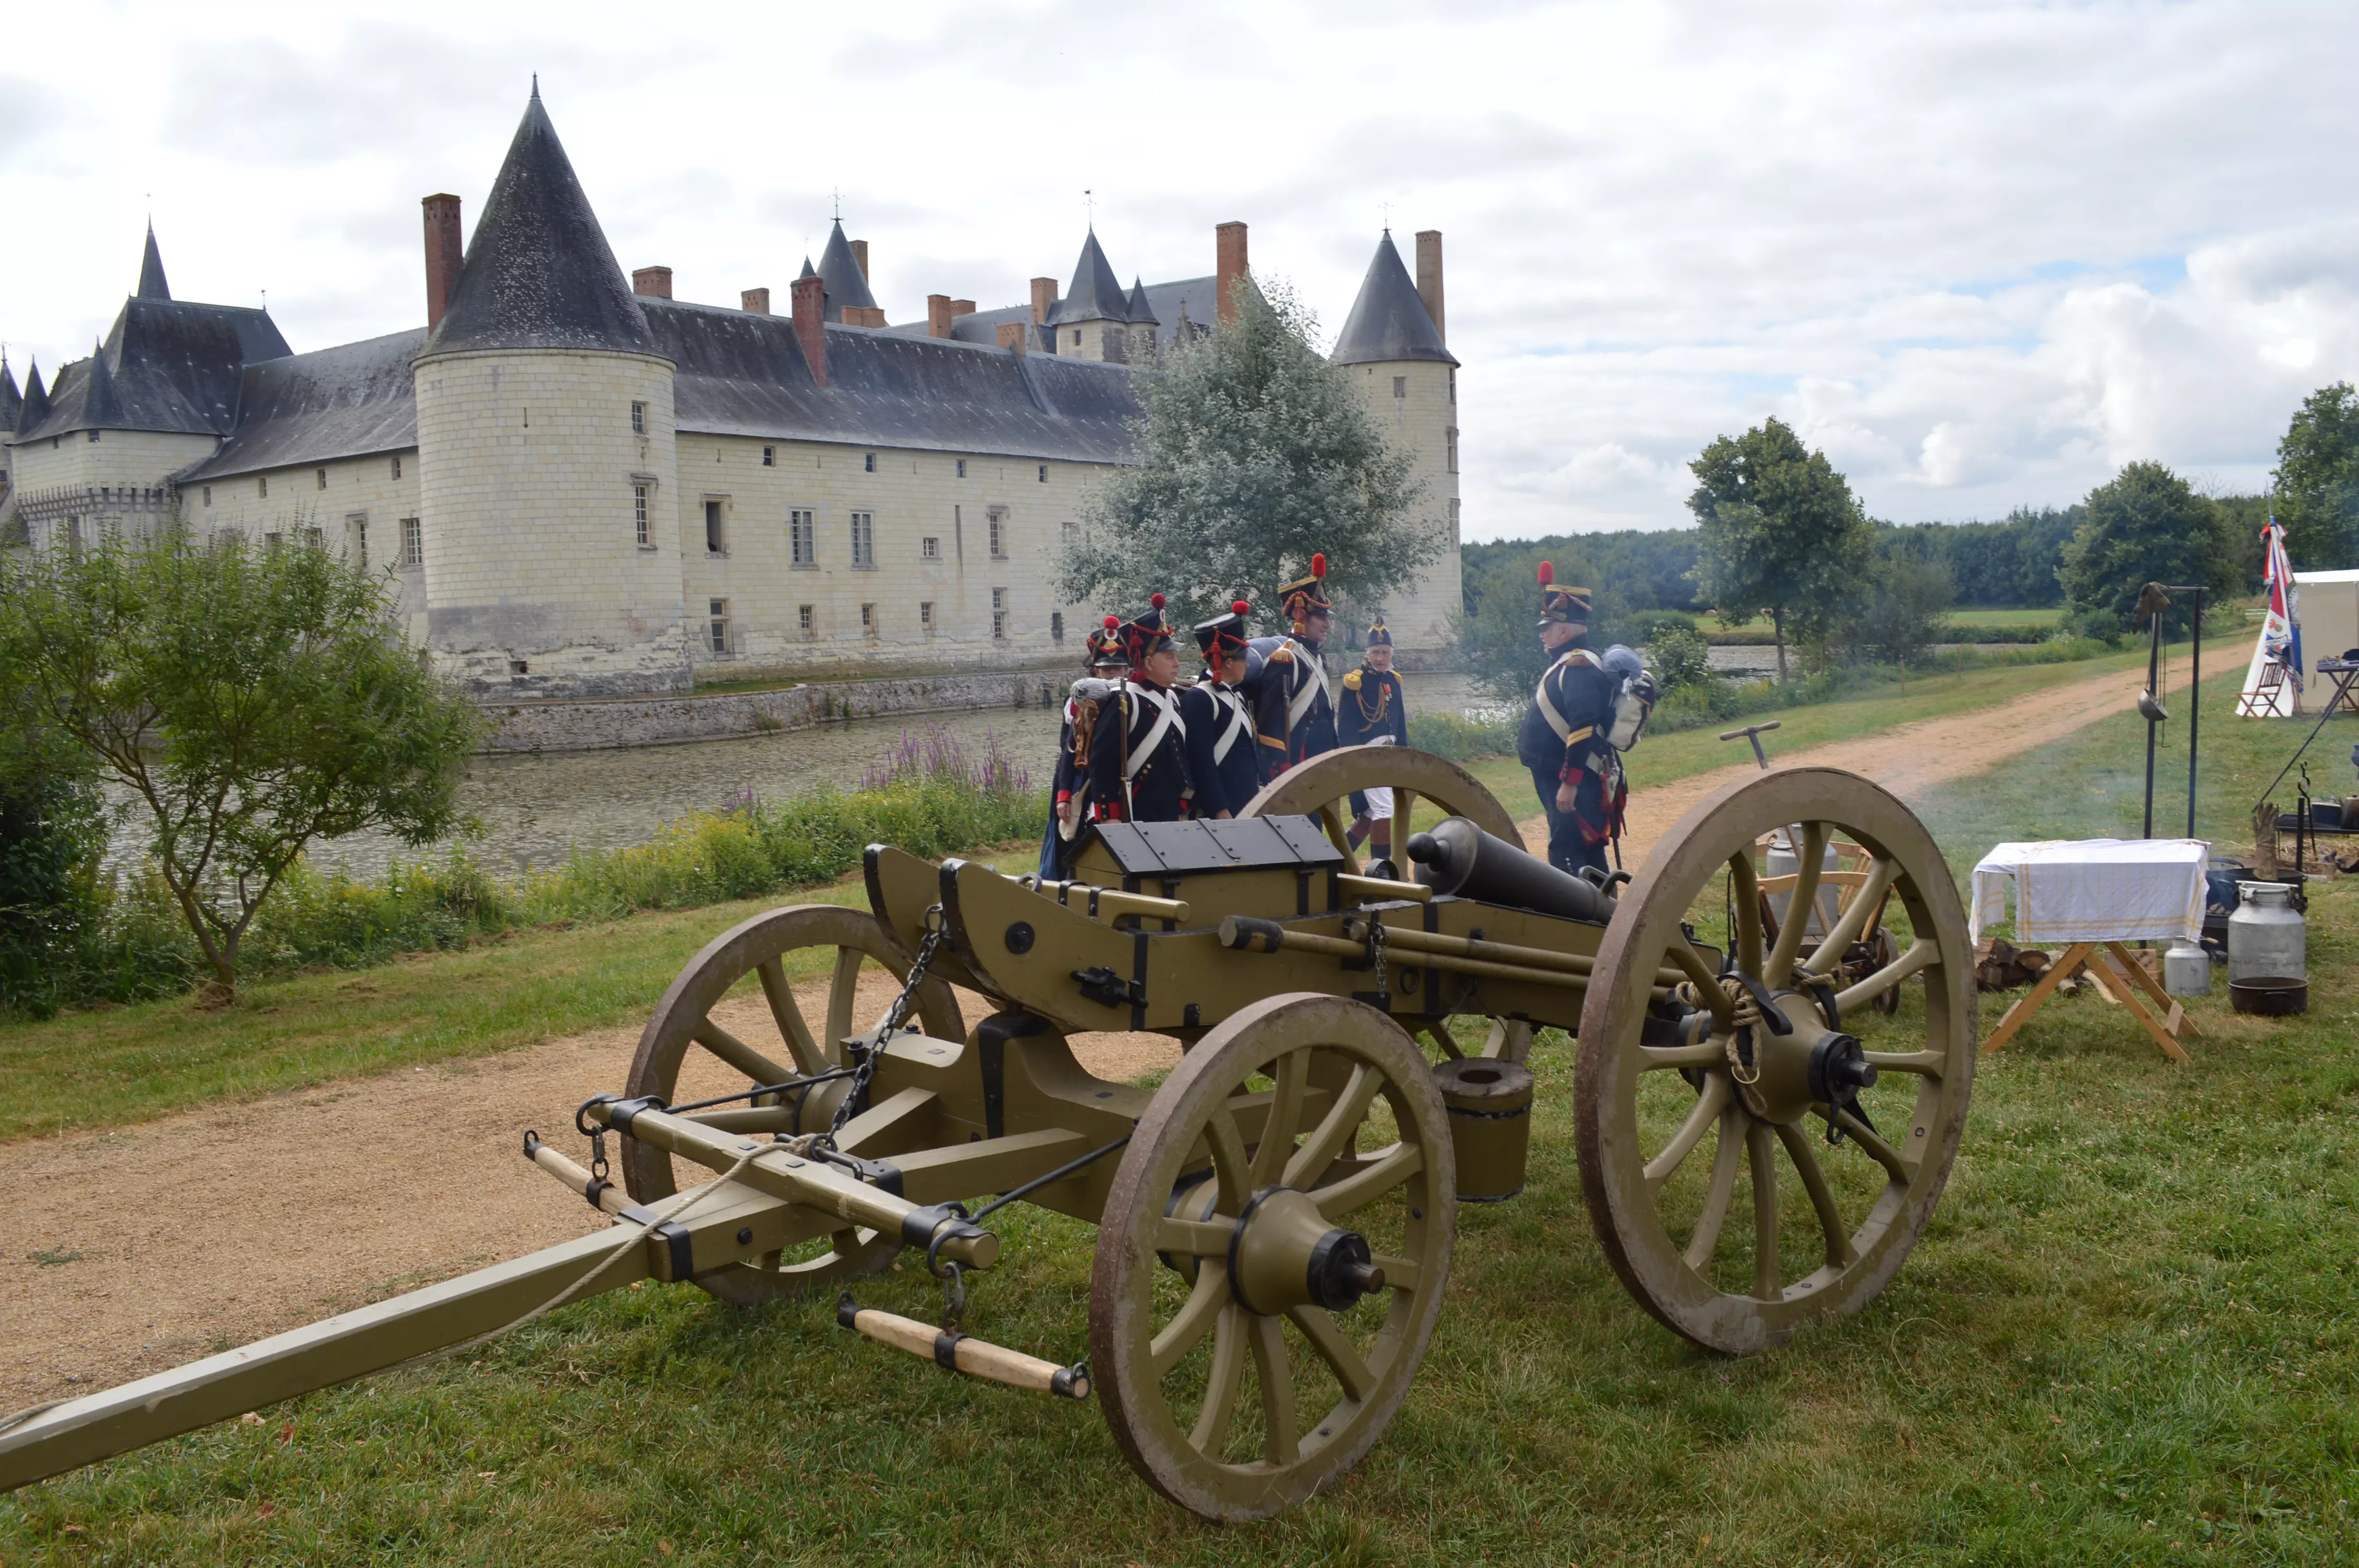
(1808, 1066)
(1284, 1254)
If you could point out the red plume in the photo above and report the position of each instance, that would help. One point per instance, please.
(1241, 608)
(1319, 565)
(1548, 573)
(1155, 602)
(1113, 621)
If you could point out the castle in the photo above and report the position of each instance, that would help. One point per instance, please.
(585, 487)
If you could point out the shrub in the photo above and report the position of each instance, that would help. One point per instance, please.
(1460, 738)
(1680, 657)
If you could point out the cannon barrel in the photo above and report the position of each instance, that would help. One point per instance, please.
(1458, 858)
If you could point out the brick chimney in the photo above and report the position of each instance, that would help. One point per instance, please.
(1044, 295)
(1229, 248)
(654, 282)
(860, 257)
(962, 308)
(810, 297)
(937, 315)
(443, 255)
(756, 301)
(1013, 335)
(1428, 276)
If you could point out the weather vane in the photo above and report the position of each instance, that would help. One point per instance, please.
(1388, 208)
(1090, 206)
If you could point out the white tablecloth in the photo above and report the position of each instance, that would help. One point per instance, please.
(2094, 890)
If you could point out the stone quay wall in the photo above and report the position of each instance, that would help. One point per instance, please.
(605, 723)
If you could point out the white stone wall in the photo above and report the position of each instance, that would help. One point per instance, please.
(536, 584)
(1422, 420)
(912, 497)
(53, 480)
(356, 503)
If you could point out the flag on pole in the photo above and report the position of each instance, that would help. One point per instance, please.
(2281, 632)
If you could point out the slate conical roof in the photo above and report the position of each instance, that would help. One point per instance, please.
(1096, 294)
(538, 272)
(11, 404)
(1138, 311)
(101, 408)
(808, 270)
(847, 283)
(37, 400)
(1388, 320)
(151, 271)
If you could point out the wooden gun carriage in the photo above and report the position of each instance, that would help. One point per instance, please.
(1276, 1216)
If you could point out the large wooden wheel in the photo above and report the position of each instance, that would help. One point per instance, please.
(1255, 1325)
(1323, 787)
(774, 947)
(1667, 1129)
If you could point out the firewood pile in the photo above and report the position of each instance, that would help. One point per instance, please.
(2001, 965)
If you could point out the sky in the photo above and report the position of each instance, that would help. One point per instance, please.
(1982, 253)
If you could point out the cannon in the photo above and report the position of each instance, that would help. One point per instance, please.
(1760, 1142)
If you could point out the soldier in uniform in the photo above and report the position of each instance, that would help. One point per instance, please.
(1139, 758)
(1106, 663)
(1221, 768)
(1372, 710)
(1567, 734)
(1293, 719)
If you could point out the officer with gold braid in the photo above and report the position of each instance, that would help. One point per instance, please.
(1584, 714)
(1372, 710)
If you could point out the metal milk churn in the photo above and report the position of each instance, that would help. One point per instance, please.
(2267, 939)
(2187, 970)
(1783, 860)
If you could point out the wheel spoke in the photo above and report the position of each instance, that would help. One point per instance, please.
(1404, 803)
(1333, 1133)
(1292, 1074)
(1401, 1273)
(1272, 1370)
(1779, 969)
(1336, 1348)
(1230, 1169)
(1192, 1321)
(1720, 1193)
(1339, 833)
(809, 1057)
(1872, 1142)
(1924, 1064)
(737, 1053)
(1372, 1182)
(1747, 898)
(1865, 901)
(1446, 1043)
(1663, 1058)
(842, 991)
(1707, 984)
(1759, 1146)
(1921, 955)
(1708, 1106)
(1822, 1197)
(1194, 1238)
(1220, 1407)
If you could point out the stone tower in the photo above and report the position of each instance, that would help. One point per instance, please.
(1392, 346)
(548, 511)
(1093, 320)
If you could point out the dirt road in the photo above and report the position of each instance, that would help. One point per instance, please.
(136, 1249)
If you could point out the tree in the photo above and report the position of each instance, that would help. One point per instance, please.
(1780, 531)
(52, 835)
(2317, 480)
(1254, 453)
(2146, 525)
(251, 700)
(1905, 593)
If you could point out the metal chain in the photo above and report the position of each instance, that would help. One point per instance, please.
(895, 1015)
(1377, 949)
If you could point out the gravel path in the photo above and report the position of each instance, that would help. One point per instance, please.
(136, 1250)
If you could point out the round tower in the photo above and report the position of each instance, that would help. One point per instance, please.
(1392, 347)
(547, 462)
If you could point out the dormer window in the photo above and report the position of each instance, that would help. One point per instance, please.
(93, 437)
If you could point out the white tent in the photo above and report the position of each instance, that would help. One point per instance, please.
(2328, 614)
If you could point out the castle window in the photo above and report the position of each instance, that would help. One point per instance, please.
(804, 619)
(1056, 626)
(1453, 388)
(769, 456)
(998, 516)
(519, 668)
(1453, 523)
(803, 535)
(1450, 436)
(638, 419)
(209, 495)
(719, 624)
(869, 462)
(356, 530)
(929, 547)
(413, 543)
(1044, 473)
(926, 614)
(863, 540)
(1400, 386)
(73, 536)
(999, 614)
(868, 618)
(323, 479)
(314, 538)
(961, 462)
(263, 487)
(93, 437)
(716, 540)
(396, 466)
(272, 541)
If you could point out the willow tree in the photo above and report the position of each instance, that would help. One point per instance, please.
(1254, 453)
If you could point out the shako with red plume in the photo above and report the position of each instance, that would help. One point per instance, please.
(1224, 636)
(1306, 595)
(1559, 603)
(1147, 632)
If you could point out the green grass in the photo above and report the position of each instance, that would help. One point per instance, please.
(2127, 1337)
(2049, 617)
